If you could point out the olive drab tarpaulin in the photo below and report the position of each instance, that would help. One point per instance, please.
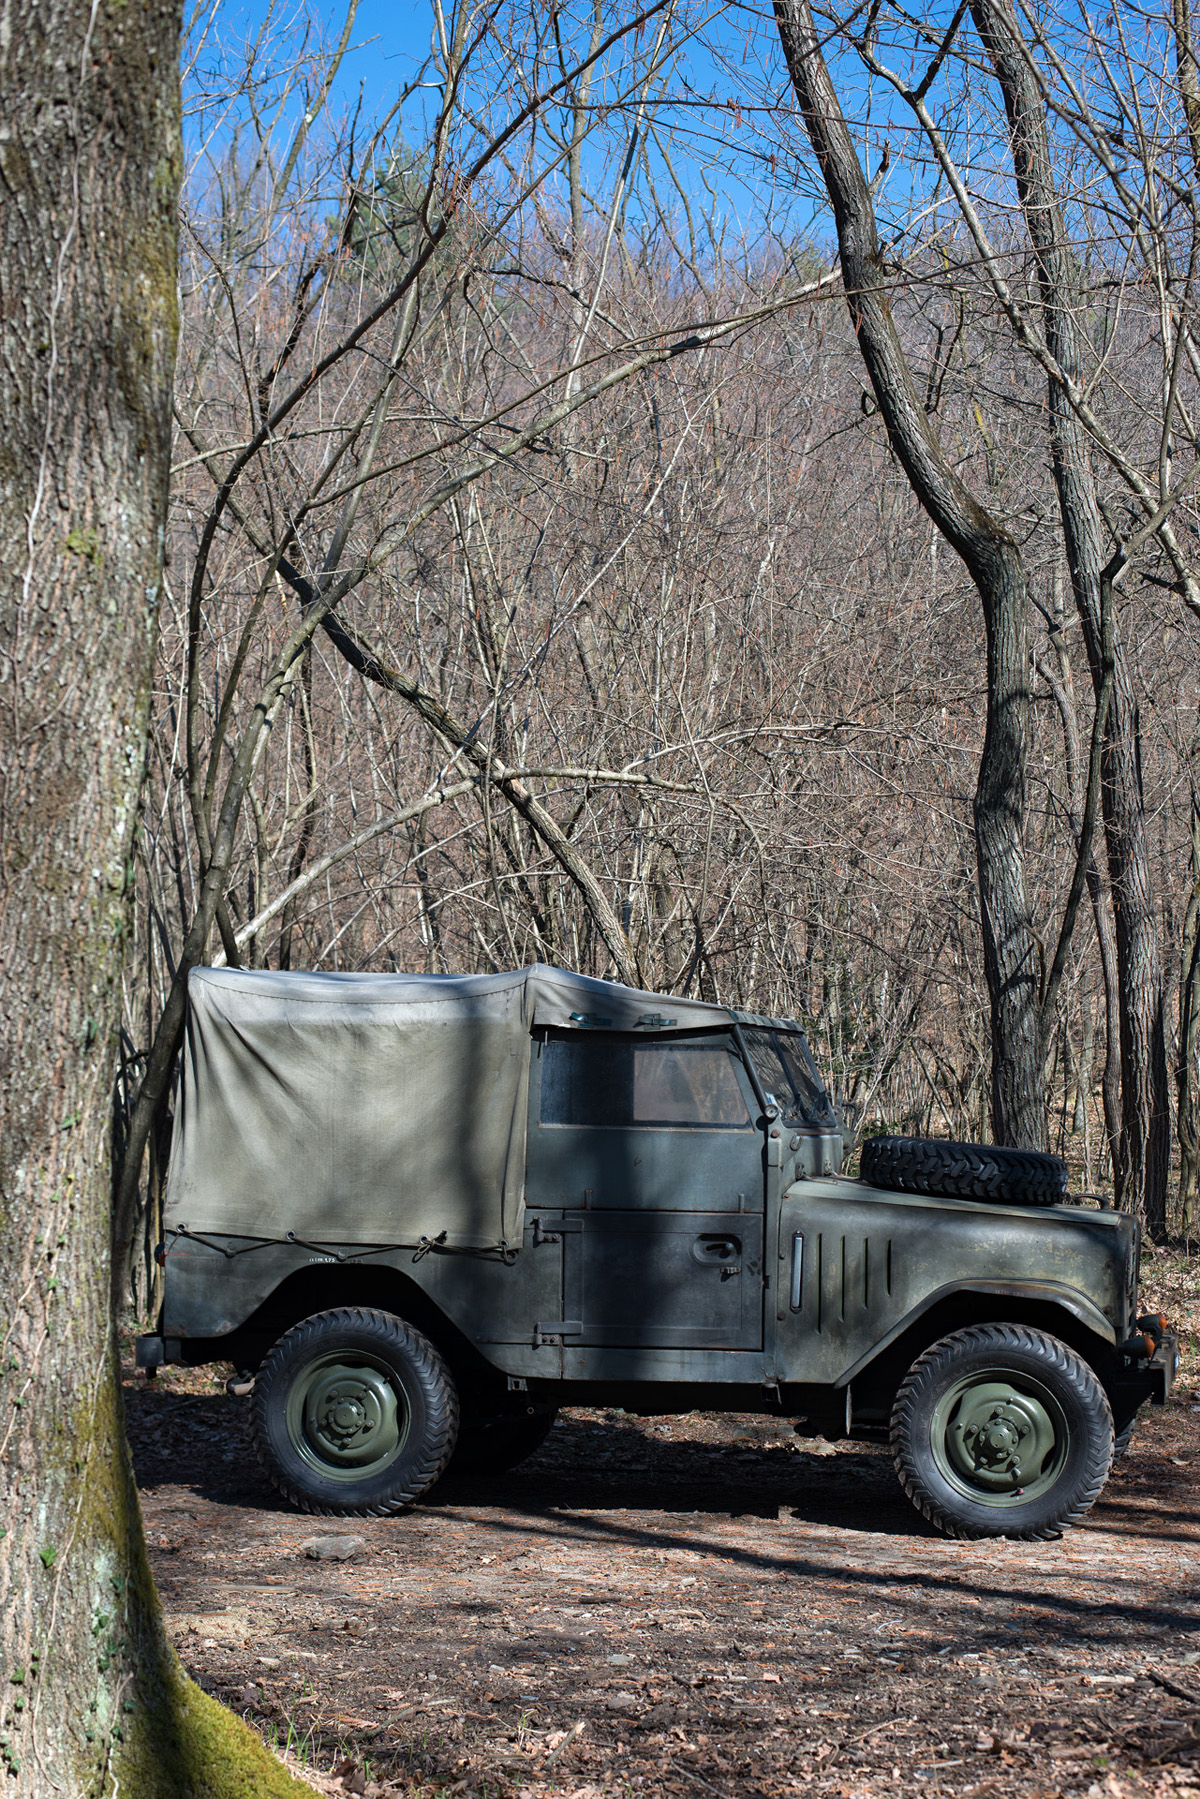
(373, 1108)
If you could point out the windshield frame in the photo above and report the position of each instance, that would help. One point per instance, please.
(804, 1098)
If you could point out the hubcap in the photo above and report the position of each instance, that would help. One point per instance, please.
(347, 1416)
(999, 1438)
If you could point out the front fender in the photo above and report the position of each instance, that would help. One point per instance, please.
(858, 1266)
(1048, 1293)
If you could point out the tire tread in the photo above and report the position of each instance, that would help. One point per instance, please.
(1065, 1363)
(441, 1397)
(979, 1171)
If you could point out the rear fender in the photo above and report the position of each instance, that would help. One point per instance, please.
(318, 1289)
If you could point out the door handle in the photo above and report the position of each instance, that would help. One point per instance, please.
(719, 1250)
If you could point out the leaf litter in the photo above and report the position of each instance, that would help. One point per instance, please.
(687, 1606)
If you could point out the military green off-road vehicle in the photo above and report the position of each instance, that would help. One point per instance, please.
(419, 1213)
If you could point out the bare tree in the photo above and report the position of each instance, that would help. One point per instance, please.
(368, 403)
(654, 668)
(993, 559)
(1105, 530)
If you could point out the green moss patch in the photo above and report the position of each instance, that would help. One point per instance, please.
(194, 1748)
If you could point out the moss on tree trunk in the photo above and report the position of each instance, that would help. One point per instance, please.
(93, 1699)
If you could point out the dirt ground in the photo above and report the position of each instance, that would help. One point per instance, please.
(705, 1605)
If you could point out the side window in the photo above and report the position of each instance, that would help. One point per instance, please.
(586, 1080)
(680, 1084)
(621, 1081)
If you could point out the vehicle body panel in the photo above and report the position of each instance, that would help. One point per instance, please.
(858, 1264)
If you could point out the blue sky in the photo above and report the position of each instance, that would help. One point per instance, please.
(730, 61)
(390, 37)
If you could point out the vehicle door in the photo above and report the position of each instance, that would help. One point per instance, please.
(646, 1153)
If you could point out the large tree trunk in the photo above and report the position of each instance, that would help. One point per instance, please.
(93, 1699)
(994, 561)
(1141, 1163)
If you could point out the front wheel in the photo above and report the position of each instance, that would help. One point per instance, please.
(355, 1413)
(1002, 1431)
(1124, 1428)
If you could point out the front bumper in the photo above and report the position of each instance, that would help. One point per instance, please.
(1151, 1379)
(1163, 1366)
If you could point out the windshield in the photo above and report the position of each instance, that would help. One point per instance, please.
(786, 1069)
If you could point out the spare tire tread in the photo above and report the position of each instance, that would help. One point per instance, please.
(979, 1171)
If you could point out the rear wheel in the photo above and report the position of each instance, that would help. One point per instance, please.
(1002, 1431)
(495, 1442)
(355, 1413)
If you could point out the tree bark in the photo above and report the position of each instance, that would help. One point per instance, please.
(1063, 689)
(1140, 1167)
(1187, 1067)
(93, 1700)
(993, 559)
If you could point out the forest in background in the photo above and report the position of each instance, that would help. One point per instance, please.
(543, 584)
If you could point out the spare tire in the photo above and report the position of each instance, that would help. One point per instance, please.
(1008, 1177)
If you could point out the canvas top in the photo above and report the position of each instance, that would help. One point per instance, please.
(374, 1108)
(544, 996)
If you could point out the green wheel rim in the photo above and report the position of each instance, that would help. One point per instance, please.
(347, 1416)
(999, 1438)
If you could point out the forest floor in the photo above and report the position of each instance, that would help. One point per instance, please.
(702, 1605)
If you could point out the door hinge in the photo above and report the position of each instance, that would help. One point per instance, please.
(554, 1333)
